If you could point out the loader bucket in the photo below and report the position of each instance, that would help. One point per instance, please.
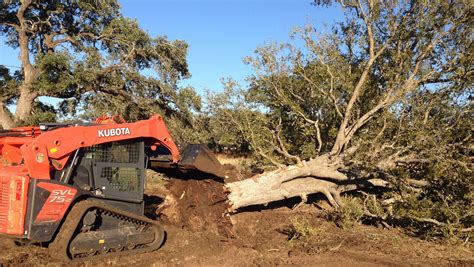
(199, 157)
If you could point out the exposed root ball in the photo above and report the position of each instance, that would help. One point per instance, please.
(198, 205)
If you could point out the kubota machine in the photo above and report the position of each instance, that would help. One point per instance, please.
(79, 187)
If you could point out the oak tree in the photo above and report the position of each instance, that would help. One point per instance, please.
(94, 59)
(384, 99)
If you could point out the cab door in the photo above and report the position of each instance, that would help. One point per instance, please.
(118, 169)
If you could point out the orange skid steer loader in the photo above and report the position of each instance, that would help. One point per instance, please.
(79, 187)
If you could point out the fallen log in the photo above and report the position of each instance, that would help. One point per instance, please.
(319, 175)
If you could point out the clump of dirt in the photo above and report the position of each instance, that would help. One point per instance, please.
(26, 259)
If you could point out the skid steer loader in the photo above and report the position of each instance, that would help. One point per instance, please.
(79, 187)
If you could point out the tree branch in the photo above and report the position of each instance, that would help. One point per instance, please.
(281, 146)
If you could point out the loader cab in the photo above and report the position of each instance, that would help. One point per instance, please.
(114, 170)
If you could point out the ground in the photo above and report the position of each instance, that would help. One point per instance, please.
(202, 236)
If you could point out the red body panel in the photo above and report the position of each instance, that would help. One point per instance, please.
(58, 202)
(13, 200)
(10, 145)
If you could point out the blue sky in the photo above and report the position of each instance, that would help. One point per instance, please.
(219, 33)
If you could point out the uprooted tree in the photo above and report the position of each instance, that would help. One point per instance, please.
(382, 100)
(86, 54)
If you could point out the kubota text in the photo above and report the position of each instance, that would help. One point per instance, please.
(113, 132)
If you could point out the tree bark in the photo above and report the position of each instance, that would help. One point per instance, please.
(6, 120)
(319, 175)
(25, 102)
(27, 96)
(277, 185)
(244, 193)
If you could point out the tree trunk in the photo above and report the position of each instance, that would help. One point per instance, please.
(27, 96)
(6, 120)
(318, 175)
(244, 193)
(25, 102)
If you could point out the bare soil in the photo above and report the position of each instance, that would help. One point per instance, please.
(204, 236)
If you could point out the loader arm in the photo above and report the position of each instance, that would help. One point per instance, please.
(57, 145)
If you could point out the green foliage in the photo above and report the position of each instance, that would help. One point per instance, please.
(430, 140)
(8, 85)
(373, 206)
(183, 133)
(299, 230)
(430, 219)
(57, 77)
(41, 113)
(349, 214)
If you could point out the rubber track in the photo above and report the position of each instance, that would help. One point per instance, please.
(58, 249)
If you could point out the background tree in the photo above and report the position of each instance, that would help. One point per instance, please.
(383, 99)
(89, 55)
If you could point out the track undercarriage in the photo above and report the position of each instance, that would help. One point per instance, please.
(94, 230)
